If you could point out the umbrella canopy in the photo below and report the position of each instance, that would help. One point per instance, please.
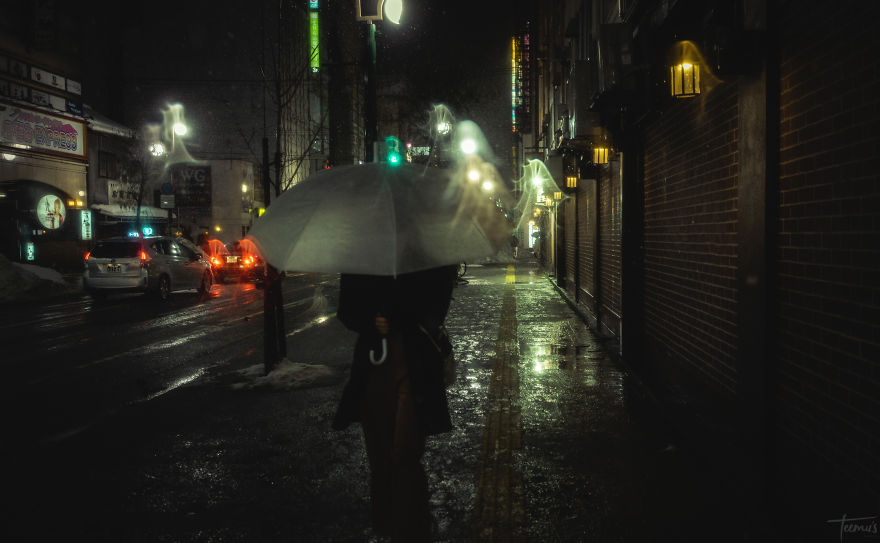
(380, 219)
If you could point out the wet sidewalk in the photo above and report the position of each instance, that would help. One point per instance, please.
(553, 441)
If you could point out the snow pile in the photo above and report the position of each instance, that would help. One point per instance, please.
(287, 375)
(26, 281)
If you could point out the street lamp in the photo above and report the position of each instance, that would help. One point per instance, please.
(369, 11)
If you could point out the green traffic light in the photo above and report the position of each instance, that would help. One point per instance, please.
(393, 145)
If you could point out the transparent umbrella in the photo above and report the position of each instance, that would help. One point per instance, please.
(381, 219)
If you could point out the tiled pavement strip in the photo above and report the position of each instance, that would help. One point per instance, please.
(500, 497)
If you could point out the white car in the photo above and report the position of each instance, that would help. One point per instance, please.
(153, 264)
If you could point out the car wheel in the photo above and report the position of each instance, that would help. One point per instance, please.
(205, 285)
(163, 289)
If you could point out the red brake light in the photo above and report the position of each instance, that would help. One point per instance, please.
(143, 256)
(249, 261)
(87, 255)
(215, 261)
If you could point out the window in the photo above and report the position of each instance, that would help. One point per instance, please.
(116, 249)
(108, 165)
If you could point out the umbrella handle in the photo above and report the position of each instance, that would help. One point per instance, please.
(381, 360)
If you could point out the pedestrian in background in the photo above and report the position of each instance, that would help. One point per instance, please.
(396, 391)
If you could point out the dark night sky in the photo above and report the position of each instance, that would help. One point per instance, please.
(453, 52)
(456, 52)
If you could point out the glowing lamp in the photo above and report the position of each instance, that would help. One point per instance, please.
(468, 146)
(557, 195)
(179, 129)
(473, 175)
(684, 80)
(600, 155)
(571, 181)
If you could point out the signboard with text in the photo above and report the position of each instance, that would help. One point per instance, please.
(31, 129)
(192, 185)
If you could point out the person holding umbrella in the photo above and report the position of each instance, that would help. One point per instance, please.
(399, 398)
(395, 233)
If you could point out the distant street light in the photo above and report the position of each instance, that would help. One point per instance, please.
(468, 146)
(157, 149)
(179, 128)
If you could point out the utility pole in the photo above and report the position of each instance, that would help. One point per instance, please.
(370, 98)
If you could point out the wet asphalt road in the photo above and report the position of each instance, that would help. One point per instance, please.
(553, 441)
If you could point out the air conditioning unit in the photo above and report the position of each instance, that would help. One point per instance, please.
(582, 122)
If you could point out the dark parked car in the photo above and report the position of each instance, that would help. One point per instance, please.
(239, 260)
(155, 264)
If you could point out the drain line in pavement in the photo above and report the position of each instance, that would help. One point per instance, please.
(500, 502)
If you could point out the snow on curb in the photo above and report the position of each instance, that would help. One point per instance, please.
(23, 281)
(287, 375)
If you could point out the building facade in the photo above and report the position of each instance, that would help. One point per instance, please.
(728, 245)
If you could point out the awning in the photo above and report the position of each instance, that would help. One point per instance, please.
(129, 213)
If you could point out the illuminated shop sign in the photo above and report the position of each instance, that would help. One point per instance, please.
(31, 129)
(314, 41)
(30, 253)
(85, 223)
(51, 212)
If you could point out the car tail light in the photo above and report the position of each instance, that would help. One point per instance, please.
(215, 261)
(87, 255)
(248, 261)
(144, 258)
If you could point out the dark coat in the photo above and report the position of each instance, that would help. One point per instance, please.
(407, 301)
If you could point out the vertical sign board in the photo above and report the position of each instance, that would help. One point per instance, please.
(314, 41)
(85, 224)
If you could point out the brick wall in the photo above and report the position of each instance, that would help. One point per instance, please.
(690, 237)
(829, 236)
(609, 247)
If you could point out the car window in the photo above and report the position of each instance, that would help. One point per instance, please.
(186, 251)
(183, 242)
(116, 249)
(160, 247)
(174, 249)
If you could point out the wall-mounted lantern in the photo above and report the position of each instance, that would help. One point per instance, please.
(685, 62)
(684, 80)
